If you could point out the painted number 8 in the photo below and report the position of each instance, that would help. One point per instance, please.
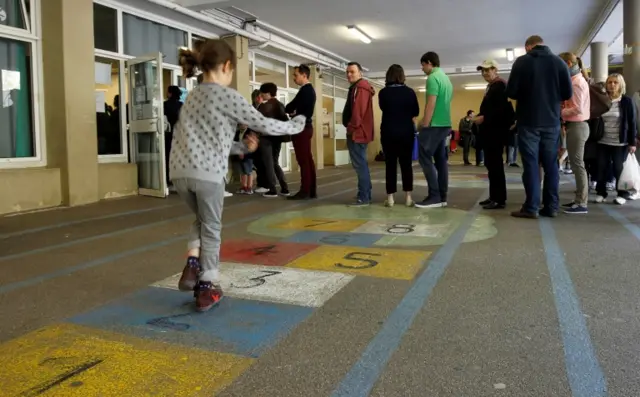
(401, 228)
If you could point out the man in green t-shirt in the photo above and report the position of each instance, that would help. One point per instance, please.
(434, 129)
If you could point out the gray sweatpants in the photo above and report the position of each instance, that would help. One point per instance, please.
(206, 200)
(577, 135)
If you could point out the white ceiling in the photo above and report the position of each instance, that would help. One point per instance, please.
(462, 32)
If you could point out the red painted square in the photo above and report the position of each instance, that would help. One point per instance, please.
(267, 253)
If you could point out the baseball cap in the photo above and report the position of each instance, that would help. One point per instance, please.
(488, 63)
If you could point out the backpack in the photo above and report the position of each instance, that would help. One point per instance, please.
(600, 101)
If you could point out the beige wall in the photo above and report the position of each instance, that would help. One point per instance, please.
(463, 100)
(117, 180)
(29, 189)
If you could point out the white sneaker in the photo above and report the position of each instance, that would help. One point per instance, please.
(619, 201)
(227, 194)
(599, 199)
(261, 190)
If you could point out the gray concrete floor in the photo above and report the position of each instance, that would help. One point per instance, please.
(491, 325)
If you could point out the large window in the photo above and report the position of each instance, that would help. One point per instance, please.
(144, 37)
(109, 106)
(18, 137)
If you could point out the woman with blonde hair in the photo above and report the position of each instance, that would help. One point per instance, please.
(619, 138)
(575, 113)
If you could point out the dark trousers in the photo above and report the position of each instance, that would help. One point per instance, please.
(539, 146)
(168, 138)
(258, 164)
(479, 144)
(466, 139)
(269, 153)
(432, 156)
(398, 150)
(304, 157)
(493, 149)
(608, 155)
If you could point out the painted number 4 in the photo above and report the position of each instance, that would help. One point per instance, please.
(361, 259)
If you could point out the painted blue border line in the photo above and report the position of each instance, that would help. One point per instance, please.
(363, 375)
(111, 258)
(114, 215)
(586, 378)
(615, 214)
(128, 230)
(79, 221)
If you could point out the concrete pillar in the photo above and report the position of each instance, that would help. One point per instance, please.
(599, 61)
(69, 99)
(631, 35)
(317, 145)
(241, 76)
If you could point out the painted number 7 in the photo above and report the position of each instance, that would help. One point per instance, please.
(361, 258)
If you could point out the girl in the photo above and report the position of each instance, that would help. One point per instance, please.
(202, 142)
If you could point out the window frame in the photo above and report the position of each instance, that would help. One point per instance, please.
(121, 56)
(30, 36)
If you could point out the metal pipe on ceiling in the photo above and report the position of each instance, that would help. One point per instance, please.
(234, 29)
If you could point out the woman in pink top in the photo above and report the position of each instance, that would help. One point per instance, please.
(575, 113)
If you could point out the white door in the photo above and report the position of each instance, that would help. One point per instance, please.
(146, 141)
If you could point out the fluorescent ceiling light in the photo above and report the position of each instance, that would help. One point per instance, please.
(511, 55)
(362, 36)
(422, 90)
(475, 87)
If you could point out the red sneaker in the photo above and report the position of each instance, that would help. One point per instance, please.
(207, 295)
(190, 274)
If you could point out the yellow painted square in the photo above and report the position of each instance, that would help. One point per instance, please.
(70, 360)
(321, 224)
(374, 262)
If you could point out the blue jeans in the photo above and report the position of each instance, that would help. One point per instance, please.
(358, 156)
(512, 153)
(432, 156)
(539, 147)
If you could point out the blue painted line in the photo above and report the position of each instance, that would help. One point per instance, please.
(617, 215)
(361, 378)
(80, 221)
(124, 230)
(586, 378)
(111, 216)
(111, 258)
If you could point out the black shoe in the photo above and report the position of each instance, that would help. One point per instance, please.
(298, 196)
(514, 165)
(569, 205)
(429, 203)
(270, 194)
(485, 202)
(547, 213)
(521, 213)
(285, 193)
(494, 206)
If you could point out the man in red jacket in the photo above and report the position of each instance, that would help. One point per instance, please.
(357, 117)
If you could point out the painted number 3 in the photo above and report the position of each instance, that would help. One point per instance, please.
(361, 258)
(258, 281)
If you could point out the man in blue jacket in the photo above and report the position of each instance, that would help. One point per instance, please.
(539, 82)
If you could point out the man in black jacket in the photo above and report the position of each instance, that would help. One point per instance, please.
(494, 119)
(539, 82)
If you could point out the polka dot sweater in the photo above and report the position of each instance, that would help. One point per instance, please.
(203, 136)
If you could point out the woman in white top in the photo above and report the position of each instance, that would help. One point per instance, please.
(619, 140)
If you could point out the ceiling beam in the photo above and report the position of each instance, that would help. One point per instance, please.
(600, 21)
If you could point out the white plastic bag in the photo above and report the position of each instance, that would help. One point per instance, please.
(630, 177)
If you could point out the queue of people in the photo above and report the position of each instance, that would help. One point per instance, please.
(559, 115)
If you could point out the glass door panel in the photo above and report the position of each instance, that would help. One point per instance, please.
(147, 146)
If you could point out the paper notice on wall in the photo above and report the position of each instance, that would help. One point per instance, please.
(6, 99)
(101, 100)
(10, 80)
(103, 73)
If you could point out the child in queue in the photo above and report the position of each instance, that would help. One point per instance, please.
(202, 142)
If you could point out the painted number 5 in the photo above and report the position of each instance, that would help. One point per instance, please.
(361, 259)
